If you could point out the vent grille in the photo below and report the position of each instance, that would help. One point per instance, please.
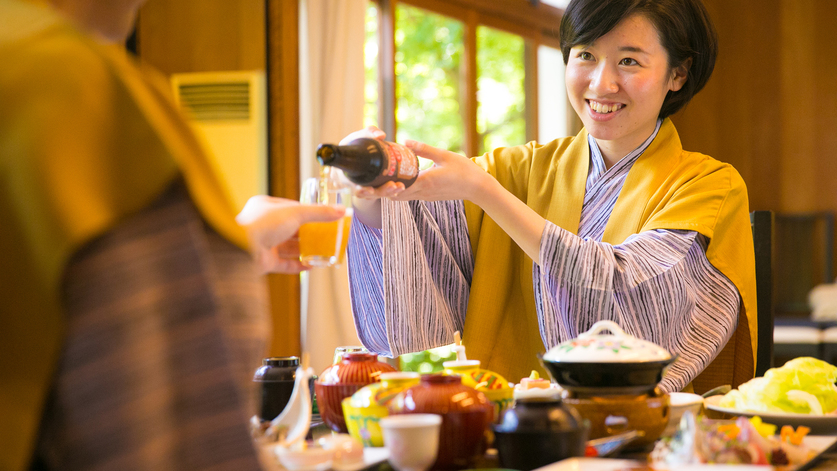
(215, 101)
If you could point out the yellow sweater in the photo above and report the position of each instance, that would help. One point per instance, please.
(86, 139)
(667, 188)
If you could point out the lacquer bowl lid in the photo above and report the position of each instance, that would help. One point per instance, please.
(594, 346)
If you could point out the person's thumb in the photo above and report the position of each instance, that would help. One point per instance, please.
(423, 150)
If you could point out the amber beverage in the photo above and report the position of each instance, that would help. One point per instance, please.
(323, 244)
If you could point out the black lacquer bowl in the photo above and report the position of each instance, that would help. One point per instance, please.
(607, 378)
(597, 363)
(537, 432)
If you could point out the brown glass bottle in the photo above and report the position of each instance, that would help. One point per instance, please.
(370, 162)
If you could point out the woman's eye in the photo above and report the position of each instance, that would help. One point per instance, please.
(585, 56)
(628, 61)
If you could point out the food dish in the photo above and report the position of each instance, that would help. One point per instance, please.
(371, 457)
(819, 424)
(817, 443)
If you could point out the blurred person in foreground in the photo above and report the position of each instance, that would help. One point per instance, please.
(528, 246)
(132, 318)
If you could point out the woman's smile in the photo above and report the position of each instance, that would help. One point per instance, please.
(603, 110)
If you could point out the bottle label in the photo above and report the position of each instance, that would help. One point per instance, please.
(403, 163)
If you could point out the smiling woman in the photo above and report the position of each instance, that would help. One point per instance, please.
(524, 247)
(626, 68)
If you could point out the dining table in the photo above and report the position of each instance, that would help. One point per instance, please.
(635, 460)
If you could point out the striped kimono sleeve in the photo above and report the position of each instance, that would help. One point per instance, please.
(657, 285)
(409, 282)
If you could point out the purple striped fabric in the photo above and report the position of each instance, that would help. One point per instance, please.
(658, 285)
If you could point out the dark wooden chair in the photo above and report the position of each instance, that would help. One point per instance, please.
(803, 258)
(762, 224)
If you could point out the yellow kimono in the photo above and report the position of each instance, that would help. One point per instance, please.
(667, 188)
(86, 140)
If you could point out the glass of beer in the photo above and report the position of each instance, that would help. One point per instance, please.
(323, 244)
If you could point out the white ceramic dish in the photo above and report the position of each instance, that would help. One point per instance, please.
(819, 424)
(371, 457)
(679, 403)
(595, 347)
(817, 443)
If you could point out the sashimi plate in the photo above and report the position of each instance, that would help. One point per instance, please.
(819, 424)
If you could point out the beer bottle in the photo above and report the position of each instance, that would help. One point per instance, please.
(370, 162)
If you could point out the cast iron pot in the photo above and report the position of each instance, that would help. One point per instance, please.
(537, 432)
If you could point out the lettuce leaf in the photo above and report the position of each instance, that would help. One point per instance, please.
(801, 386)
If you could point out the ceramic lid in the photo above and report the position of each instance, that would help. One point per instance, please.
(594, 346)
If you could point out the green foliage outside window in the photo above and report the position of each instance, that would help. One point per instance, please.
(429, 49)
(501, 92)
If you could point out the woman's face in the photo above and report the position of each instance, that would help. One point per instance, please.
(617, 85)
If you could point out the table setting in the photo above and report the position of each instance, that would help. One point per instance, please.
(600, 409)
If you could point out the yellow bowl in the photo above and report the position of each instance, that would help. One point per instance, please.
(493, 385)
(366, 407)
(363, 422)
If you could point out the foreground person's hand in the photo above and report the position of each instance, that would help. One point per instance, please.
(272, 225)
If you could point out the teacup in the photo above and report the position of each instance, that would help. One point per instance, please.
(681, 402)
(412, 440)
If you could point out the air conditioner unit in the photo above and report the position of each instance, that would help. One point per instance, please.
(228, 111)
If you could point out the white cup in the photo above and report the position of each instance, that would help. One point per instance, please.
(412, 440)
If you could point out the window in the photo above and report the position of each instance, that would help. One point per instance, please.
(465, 75)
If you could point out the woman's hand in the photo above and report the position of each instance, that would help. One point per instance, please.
(452, 177)
(272, 225)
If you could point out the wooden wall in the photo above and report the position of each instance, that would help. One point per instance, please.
(223, 35)
(202, 35)
(770, 108)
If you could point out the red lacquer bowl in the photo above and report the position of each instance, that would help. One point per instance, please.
(466, 414)
(343, 379)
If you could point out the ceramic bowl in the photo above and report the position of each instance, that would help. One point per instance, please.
(341, 380)
(365, 408)
(493, 385)
(466, 414)
(619, 362)
(412, 440)
(537, 432)
(611, 415)
(681, 402)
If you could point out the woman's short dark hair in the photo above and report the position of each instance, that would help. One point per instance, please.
(684, 26)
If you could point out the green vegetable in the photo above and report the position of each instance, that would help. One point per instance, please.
(802, 386)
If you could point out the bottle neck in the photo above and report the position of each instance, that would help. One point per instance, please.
(361, 160)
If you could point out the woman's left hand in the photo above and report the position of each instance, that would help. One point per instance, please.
(452, 177)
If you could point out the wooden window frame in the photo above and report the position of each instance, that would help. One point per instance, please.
(535, 22)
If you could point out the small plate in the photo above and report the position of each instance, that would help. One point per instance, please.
(819, 424)
(818, 444)
(371, 457)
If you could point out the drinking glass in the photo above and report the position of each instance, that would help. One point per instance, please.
(323, 244)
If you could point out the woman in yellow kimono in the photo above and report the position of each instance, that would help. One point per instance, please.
(525, 247)
(132, 319)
